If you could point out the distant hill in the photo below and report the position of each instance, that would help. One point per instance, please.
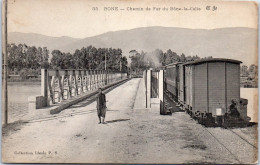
(235, 43)
(33, 39)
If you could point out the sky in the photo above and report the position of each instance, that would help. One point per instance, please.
(78, 19)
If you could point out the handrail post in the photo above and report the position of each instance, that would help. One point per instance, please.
(44, 86)
(90, 79)
(105, 77)
(98, 78)
(93, 79)
(70, 82)
(76, 76)
(87, 80)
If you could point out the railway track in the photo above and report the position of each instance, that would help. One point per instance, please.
(256, 147)
(231, 139)
(236, 158)
(234, 143)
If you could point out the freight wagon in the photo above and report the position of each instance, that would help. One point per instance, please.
(209, 90)
(172, 80)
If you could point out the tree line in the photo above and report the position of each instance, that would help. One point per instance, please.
(28, 60)
(251, 71)
(158, 58)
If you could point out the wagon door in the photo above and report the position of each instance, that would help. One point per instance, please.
(181, 86)
(200, 88)
(216, 85)
(187, 86)
(233, 86)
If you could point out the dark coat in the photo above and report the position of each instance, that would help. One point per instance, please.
(101, 105)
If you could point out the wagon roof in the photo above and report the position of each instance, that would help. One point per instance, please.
(212, 60)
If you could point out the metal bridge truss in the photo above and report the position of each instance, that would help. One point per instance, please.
(64, 84)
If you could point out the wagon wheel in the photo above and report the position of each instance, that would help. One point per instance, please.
(192, 115)
(165, 110)
(204, 118)
(218, 121)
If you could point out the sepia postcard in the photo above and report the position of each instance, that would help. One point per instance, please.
(130, 81)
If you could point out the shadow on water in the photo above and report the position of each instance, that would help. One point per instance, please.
(117, 120)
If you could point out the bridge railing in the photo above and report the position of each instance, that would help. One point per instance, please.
(59, 85)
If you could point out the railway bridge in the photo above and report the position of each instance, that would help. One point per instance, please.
(63, 88)
(134, 132)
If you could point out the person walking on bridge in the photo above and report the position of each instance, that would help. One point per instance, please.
(101, 106)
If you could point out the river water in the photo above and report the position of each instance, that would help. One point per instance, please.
(251, 94)
(18, 93)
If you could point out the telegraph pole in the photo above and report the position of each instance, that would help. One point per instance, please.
(5, 96)
(120, 66)
(106, 67)
(89, 65)
(105, 61)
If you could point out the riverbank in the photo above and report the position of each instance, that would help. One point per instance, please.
(251, 94)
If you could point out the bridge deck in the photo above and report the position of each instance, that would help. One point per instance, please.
(130, 136)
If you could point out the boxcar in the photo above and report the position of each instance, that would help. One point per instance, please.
(210, 87)
(172, 80)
